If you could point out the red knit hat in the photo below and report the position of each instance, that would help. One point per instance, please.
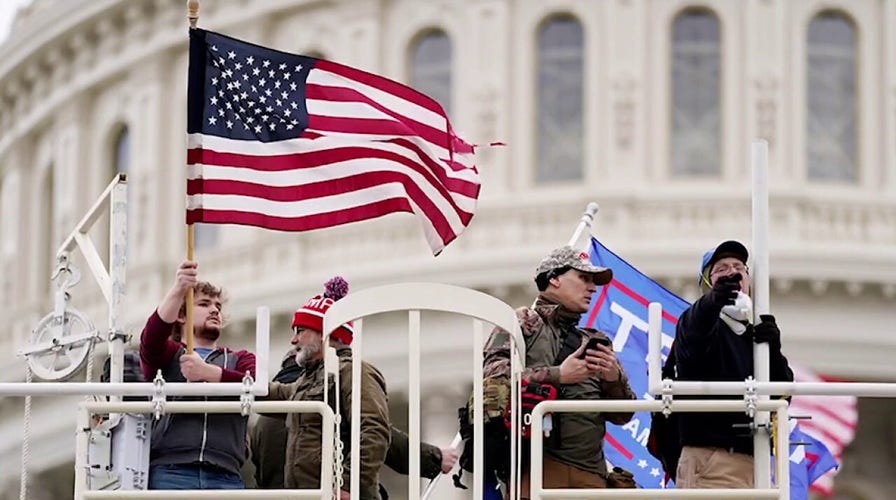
(311, 315)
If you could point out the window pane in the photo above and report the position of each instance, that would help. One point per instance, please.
(431, 68)
(696, 94)
(560, 97)
(831, 90)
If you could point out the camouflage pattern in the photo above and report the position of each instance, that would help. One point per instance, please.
(567, 256)
(577, 439)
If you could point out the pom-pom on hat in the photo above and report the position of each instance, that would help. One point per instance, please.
(311, 315)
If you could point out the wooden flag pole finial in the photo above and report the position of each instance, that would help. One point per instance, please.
(193, 12)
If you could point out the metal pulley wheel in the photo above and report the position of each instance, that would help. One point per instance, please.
(60, 345)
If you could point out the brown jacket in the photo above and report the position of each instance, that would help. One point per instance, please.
(303, 449)
(577, 438)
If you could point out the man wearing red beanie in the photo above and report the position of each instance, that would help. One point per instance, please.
(303, 452)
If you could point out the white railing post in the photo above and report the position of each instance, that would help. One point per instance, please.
(761, 449)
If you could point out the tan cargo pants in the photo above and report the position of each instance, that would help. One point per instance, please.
(707, 468)
(559, 475)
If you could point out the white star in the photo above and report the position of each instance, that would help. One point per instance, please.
(244, 95)
(246, 76)
(250, 60)
(286, 75)
(231, 54)
(262, 82)
(229, 73)
(228, 105)
(250, 120)
(279, 102)
(212, 120)
(238, 66)
(229, 124)
(265, 63)
(277, 84)
(214, 101)
(215, 48)
(236, 84)
(269, 109)
(271, 73)
(264, 118)
(292, 86)
(298, 68)
(272, 126)
(229, 85)
(251, 103)
(258, 129)
(287, 112)
(214, 80)
(268, 92)
(282, 66)
(284, 95)
(642, 463)
(257, 111)
(221, 111)
(263, 99)
(289, 126)
(255, 71)
(654, 472)
(294, 105)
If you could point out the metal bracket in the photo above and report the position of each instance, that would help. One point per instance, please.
(667, 397)
(158, 395)
(751, 397)
(247, 398)
(119, 335)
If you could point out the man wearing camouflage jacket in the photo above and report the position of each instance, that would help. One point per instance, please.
(556, 355)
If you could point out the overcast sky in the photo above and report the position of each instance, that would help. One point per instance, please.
(7, 11)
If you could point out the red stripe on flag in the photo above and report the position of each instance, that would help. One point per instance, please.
(342, 94)
(381, 83)
(616, 444)
(280, 163)
(307, 223)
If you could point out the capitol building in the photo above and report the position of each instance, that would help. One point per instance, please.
(647, 107)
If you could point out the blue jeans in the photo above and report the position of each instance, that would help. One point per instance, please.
(192, 477)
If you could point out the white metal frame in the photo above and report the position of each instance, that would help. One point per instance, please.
(416, 297)
(538, 492)
(87, 409)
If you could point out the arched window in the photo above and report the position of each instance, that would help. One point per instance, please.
(431, 67)
(122, 151)
(831, 98)
(560, 100)
(696, 94)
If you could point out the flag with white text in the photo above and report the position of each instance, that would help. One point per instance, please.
(295, 143)
(620, 310)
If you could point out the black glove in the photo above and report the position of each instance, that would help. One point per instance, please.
(767, 331)
(724, 292)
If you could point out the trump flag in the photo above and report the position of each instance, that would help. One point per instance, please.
(620, 310)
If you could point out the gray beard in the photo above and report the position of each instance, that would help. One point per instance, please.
(306, 354)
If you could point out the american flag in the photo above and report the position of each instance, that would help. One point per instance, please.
(295, 143)
(834, 420)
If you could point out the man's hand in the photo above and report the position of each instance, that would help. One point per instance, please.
(724, 292)
(196, 370)
(449, 458)
(186, 277)
(608, 365)
(767, 332)
(575, 369)
(344, 495)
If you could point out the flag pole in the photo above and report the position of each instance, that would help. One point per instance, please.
(193, 17)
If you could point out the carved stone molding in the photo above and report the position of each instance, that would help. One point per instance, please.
(766, 108)
(624, 105)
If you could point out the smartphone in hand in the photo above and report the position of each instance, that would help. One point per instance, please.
(593, 342)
